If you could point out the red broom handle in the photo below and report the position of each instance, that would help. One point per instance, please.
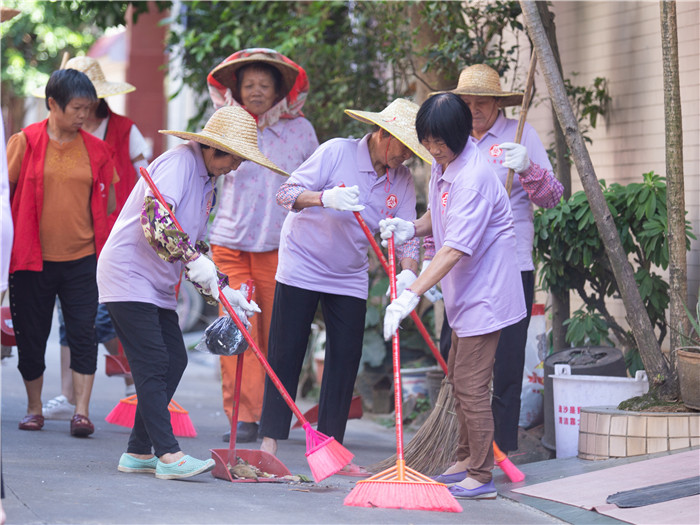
(385, 264)
(237, 388)
(395, 350)
(232, 313)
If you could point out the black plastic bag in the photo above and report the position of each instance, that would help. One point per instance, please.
(222, 337)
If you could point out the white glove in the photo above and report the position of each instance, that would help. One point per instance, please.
(203, 272)
(241, 306)
(433, 295)
(403, 281)
(402, 230)
(399, 308)
(516, 157)
(342, 199)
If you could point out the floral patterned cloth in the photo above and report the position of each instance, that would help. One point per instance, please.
(170, 243)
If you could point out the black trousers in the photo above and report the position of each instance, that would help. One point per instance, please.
(507, 371)
(32, 300)
(292, 314)
(157, 355)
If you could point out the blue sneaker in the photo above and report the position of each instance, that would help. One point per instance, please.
(451, 479)
(185, 467)
(485, 491)
(128, 463)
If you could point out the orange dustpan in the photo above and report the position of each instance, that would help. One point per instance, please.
(225, 457)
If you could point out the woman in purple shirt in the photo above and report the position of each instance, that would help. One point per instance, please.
(323, 259)
(471, 221)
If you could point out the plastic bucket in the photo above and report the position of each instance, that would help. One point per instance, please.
(571, 392)
(414, 381)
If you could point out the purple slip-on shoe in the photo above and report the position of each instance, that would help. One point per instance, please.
(485, 491)
(447, 479)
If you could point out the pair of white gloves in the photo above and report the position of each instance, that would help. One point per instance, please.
(406, 300)
(202, 271)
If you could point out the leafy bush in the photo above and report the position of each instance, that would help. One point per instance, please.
(571, 256)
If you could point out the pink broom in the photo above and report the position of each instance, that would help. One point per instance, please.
(400, 487)
(124, 413)
(325, 455)
(435, 432)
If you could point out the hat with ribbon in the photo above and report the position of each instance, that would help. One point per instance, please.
(225, 73)
(92, 69)
(483, 81)
(398, 119)
(231, 129)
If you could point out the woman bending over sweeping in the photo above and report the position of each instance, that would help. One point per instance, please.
(323, 258)
(471, 221)
(140, 268)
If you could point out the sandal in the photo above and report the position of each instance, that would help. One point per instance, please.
(81, 426)
(32, 422)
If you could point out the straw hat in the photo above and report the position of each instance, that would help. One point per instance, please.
(7, 13)
(482, 80)
(92, 69)
(399, 119)
(226, 73)
(233, 130)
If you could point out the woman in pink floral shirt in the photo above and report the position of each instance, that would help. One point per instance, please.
(245, 237)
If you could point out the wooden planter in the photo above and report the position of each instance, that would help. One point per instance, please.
(688, 364)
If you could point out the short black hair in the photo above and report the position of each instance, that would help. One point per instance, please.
(267, 68)
(66, 84)
(447, 117)
(217, 152)
(102, 110)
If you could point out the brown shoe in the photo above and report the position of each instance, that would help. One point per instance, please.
(81, 426)
(32, 422)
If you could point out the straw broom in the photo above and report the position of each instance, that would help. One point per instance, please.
(325, 455)
(400, 487)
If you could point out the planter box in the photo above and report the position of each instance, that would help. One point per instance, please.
(606, 432)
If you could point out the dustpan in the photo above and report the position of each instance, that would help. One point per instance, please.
(225, 457)
(117, 365)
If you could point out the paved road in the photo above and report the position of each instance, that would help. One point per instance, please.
(52, 477)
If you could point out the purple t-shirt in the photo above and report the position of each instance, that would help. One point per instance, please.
(470, 212)
(503, 130)
(248, 217)
(325, 250)
(129, 269)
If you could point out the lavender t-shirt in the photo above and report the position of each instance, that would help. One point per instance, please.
(470, 212)
(248, 217)
(503, 130)
(325, 250)
(129, 268)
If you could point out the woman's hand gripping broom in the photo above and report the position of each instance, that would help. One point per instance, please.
(400, 487)
(325, 455)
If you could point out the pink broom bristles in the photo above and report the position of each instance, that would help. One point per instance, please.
(325, 455)
(124, 413)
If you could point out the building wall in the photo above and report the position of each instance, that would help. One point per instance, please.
(621, 41)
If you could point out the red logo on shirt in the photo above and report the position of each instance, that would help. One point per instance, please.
(443, 199)
(391, 201)
(495, 150)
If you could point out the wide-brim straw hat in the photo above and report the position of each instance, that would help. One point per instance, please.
(91, 68)
(399, 119)
(233, 130)
(7, 13)
(482, 80)
(226, 73)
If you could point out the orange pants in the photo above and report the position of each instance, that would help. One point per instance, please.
(261, 268)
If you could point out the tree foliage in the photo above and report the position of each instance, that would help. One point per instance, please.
(572, 256)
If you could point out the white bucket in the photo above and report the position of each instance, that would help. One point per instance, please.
(571, 392)
(414, 381)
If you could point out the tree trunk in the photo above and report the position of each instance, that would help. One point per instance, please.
(561, 304)
(661, 377)
(675, 190)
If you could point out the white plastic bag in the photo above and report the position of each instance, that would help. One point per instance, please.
(531, 396)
